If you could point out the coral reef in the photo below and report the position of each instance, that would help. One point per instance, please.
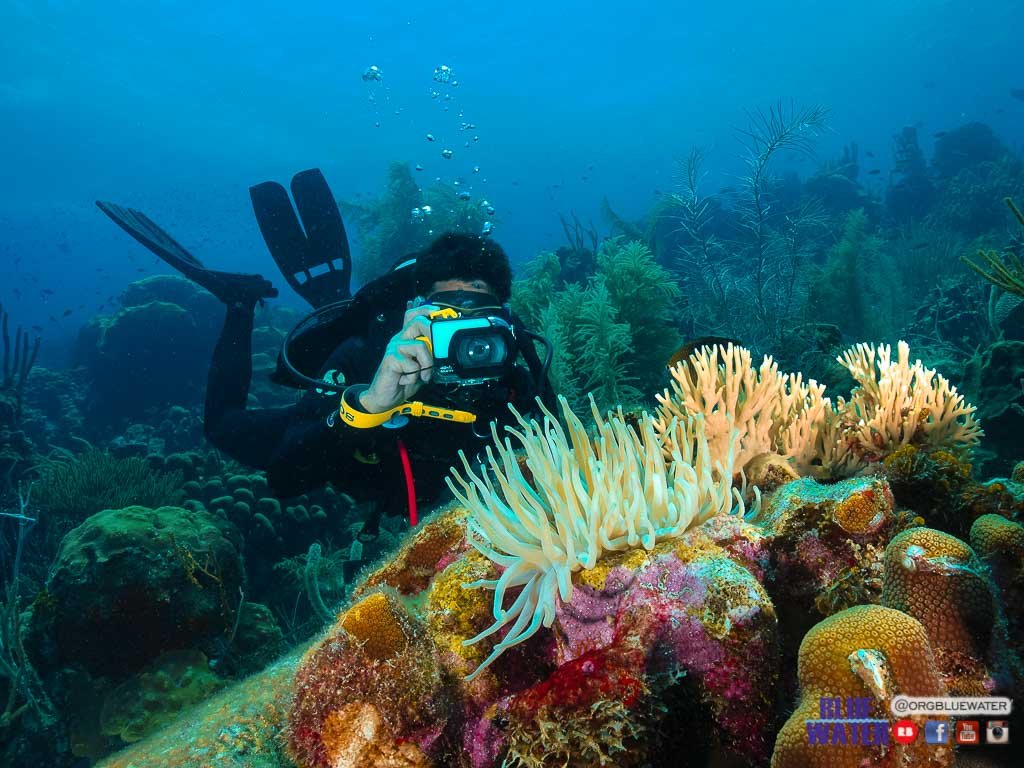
(80, 486)
(376, 666)
(241, 727)
(1005, 272)
(144, 703)
(563, 614)
(404, 219)
(994, 377)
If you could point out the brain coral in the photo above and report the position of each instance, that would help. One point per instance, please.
(866, 652)
(937, 579)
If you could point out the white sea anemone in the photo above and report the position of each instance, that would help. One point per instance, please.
(579, 498)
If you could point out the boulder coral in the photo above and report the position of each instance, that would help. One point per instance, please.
(867, 653)
(938, 579)
(131, 584)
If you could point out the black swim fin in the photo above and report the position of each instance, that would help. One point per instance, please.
(229, 287)
(313, 255)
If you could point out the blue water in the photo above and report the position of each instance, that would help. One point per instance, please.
(177, 107)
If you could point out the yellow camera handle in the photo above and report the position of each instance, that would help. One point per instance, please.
(362, 420)
(442, 314)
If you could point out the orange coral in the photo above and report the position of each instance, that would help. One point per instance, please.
(866, 652)
(381, 624)
(355, 737)
(864, 511)
(419, 560)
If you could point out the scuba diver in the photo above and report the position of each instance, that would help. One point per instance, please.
(431, 341)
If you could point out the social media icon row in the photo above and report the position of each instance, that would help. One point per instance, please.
(965, 732)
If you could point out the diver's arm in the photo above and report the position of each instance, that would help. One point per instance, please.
(312, 452)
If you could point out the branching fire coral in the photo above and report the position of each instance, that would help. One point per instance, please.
(896, 403)
(583, 498)
(907, 404)
(773, 412)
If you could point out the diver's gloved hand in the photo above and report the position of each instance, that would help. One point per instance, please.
(407, 364)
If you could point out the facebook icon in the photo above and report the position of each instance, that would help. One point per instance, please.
(936, 732)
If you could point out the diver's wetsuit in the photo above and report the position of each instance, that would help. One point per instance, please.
(299, 451)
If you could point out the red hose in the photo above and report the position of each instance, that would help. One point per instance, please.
(410, 487)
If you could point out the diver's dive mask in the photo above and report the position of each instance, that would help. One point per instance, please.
(471, 338)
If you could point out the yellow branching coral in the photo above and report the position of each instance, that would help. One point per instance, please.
(896, 403)
(584, 497)
(772, 412)
(902, 404)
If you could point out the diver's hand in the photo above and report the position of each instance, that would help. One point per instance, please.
(407, 364)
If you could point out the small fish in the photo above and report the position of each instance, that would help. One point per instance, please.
(869, 154)
(919, 246)
(67, 312)
(1017, 93)
(53, 318)
(46, 292)
(874, 172)
(929, 83)
(940, 134)
(430, 137)
(684, 352)
(37, 328)
(141, 269)
(17, 293)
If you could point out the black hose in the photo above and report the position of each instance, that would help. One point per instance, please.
(315, 315)
(542, 376)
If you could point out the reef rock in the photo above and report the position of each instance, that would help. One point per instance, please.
(131, 584)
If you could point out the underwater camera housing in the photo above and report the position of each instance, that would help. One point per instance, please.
(471, 338)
